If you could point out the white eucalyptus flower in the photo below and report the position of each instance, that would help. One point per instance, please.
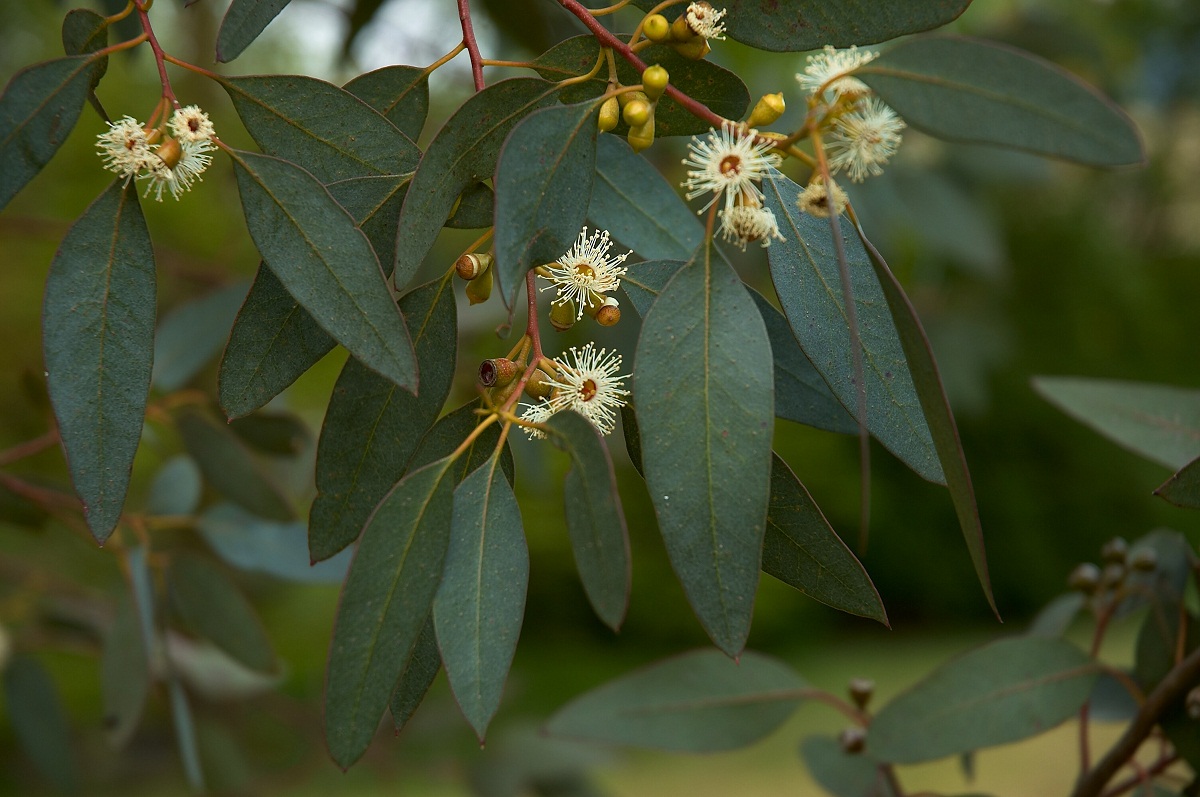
(863, 140)
(731, 162)
(705, 21)
(590, 386)
(536, 413)
(744, 224)
(586, 272)
(829, 71)
(192, 124)
(814, 199)
(125, 149)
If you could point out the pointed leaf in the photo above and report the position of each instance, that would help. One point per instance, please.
(705, 412)
(38, 110)
(385, 603)
(1008, 690)
(278, 433)
(192, 334)
(450, 431)
(40, 723)
(325, 129)
(802, 550)
(124, 676)
(400, 93)
(98, 343)
(1183, 489)
(481, 603)
(372, 427)
(325, 262)
(476, 208)
(699, 702)
(176, 488)
(595, 519)
(422, 667)
(1159, 422)
(229, 468)
(213, 607)
(1056, 616)
(251, 543)
(844, 774)
(83, 32)
(242, 23)
(964, 89)
(543, 183)
(463, 152)
(185, 735)
(805, 272)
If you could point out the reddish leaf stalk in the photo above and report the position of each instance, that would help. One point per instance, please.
(159, 55)
(464, 18)
(533, 334)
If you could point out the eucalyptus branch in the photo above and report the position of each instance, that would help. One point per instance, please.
(464, 18)
(159, 55)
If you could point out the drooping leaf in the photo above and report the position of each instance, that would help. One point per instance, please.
(38, 110)
(633, 437)
(802, 550)
(805, 272)
(325, 263)
(385, 603)
(1056, 616)
(185, 735)
(1159, 422)
(372, 427)
(1183, 489)
(705, 413)
(325, 129)
(37, 717)
(420, 669)
(475, 210)
(400, 93)
(481, 603)
(463, 152)
(84, 32)
(543, 184)
(595, 519)
(965, 89)
(212, 673)
(844, 774)
(699, 702)
(98, 344)
(251, 543)
(145, 599)
(229, 467)
(1008, 690)
(193, 333)
(242, 23)
(176, 488)
(124, 675)
(1110, 700)
(278, 433)
(713, 85)
(450, 431)
(213, 607)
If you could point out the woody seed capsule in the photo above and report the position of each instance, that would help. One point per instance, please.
(471, 266)
(498, 372)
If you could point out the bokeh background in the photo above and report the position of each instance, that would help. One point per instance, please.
(1018, 267)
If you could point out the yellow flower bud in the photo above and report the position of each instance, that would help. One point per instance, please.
(610, 114)
(654, 81)
(694, 49)
(480, 288)
(656, 28)
(538, 385)
(562, 315)
(636, 113)
(767, 110)
(641, 137)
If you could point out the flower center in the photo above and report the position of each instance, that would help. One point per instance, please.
(584, 270)
(587, 391)
(730, 165)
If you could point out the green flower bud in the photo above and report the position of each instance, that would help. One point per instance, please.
(641, 137)
(656, 28)
(1084, 578)
(852, 740)
(480, 288)
(636, 113)
(1115, 550)
(654, 81)
(563, 315)
(767, 110)
(861, 690)
(610, 114)
(694, 50)
(538, 385)
(681, 31)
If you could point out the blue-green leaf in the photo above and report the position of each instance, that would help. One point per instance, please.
(242, 23)
(212, 606)
(124, 675)
(40, 723)
(191, 334)
(844, 774)
(400, 93)
(252, 543)
(1183, 489)
(420, 669)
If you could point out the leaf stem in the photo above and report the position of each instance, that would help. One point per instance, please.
(600, 12)
(119, 46)
(458, 48)
(28, 448)
(159, 55)
(464, 18)
(120, 15)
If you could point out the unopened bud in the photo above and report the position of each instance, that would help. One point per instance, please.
(636, 113)
(471, 266)
(498, 372)
(656, 28)
(538, 385)
(852, 740)
(610, 114)
(1084, 578)
(767, 110)
(654, 81)
(609, 313)
(1115, 550)
(169, 152)
(563, 315)
(480, 288)
(1144, 560)
(502, 393)
(642, 137)
(1114, 574)
(694, 50)
(681, 31)
(861, 690)
(626, 97)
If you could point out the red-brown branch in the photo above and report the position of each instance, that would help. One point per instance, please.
(464, 18)
(159, 56)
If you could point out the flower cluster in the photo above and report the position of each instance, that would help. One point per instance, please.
(731, 165)
(167, 162)
(590, 386)
(585, 273)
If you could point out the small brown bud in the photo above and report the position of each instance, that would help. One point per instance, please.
(563, 315)
(1084, 578)
(610, 114)
(694, 50)
(169, 152)
(852, 740)
(1144, 560)
(861, 690)
(654, 81)
(636, 113)
(656, 28)
(1115, 550)
(498, 372)
(471, 266)
(538, 385)
(767, 111)
(641, 138)
(480, 288)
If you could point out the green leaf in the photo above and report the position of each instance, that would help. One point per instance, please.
(274, 340)
(705, 410)
(699, 702)
(325, 262)
(84, 32)
(213, 607)
(422, 667)
(124, 675)
(804, 269)
(462, 153)
(964, 89)
(543, 183)
(718, 88)
(242, 23)
(185, 735)
(39, 721)
(1163, 587)
(595, 519)
(372, 427)
(385, 602)
(278, 433)
(191, 334)
(229, 467)
(633, 437)
(1156, 655)
(450, 431)
(1008, 690)
(475, 209)
(803, 551)
(844, 774)
(1056, 616)
(176, 488)
(98, 344)
(400, 93)
(633, 201)
(936, 407)
(1183, 489)
(481, 602)
(38, 110)
(1110, 701)
(251, 543)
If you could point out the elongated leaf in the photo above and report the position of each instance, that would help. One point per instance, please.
(325, 262)
(543, 184)
(481, 603)
(242, 23)
(372, 427)
(374, 203)
(1183, 489)
(450, 431)
(38, 110)
(1159, 422)
(278, 433)
(802, 550)
(400, 93)
(98, 343)
(422, 667)
(212, 606)
(83, 32)
(124, 675)
(325, 129)
(969, 90)
(185, 735)
(699, 702)
(1008, 690)
(193, 333)
(463, 152)
(936, 407)
(805, 272)
(385, 603)
(251, 543)
(844, 774)
(1056, 616)
(475, 210)
(595, 519)
(705, 409)
(37, 717)
(229, 468)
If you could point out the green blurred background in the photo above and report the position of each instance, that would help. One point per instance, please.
(1018, 266)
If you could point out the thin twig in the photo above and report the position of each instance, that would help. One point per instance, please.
(464, 18)
(28, 448)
